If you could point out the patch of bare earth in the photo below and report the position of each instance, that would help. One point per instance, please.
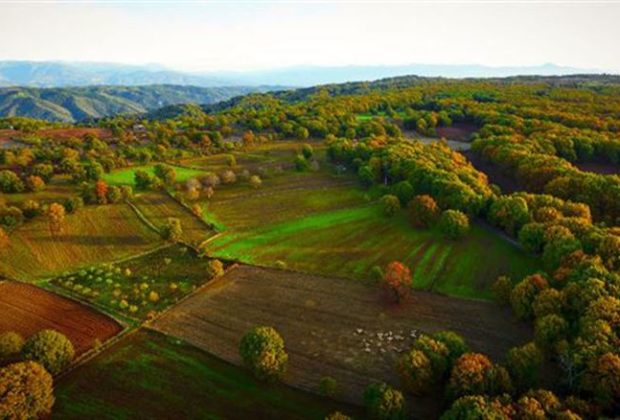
(334, 327)
(27, 309)
(603, 168)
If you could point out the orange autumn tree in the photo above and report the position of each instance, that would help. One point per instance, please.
(56, 218)
(397, 280)
(101, 191)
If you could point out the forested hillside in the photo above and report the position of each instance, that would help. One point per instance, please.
(81, 103)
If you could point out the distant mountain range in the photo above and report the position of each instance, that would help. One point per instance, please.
(62, 74)
(81, 103)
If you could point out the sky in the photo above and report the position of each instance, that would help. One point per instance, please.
(250, 35)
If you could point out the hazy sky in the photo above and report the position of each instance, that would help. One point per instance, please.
(247, 35)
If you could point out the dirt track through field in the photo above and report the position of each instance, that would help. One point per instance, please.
(28, 309)
(319, 318)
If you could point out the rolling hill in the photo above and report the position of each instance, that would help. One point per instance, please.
(81, 103)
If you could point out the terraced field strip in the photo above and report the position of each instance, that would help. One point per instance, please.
(157, 207)
(93, 235)
(319, 318)
(28, 309)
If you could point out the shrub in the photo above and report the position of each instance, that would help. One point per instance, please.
(215, 268)
(11, 343)
(390, 205)
(255, 181)
(307, 151)
(228, 177)
(337, 415)
(384, 402)
(49, 348)
(423, 211)
(26, 391)
(454, 224)
(415, 371)
(262, 350)
(172, 230)
(501, 289)
(73, 204)
(301, 163)
(328, 386)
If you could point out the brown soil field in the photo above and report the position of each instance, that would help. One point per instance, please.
(508, 184)
(603, 168)
(334, 327)
(457, 131)
(79, 132)
(28, 309)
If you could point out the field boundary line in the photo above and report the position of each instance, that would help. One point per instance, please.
(219, 279)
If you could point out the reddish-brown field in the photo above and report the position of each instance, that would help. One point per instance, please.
(602, 168)
(457, 131)
(28, 309)
(333, 326)
(79, 132)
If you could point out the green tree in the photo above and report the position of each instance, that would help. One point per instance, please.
(524, 293)
(11, 343)
(416, 371)
(172, 231)
(262, 350)
(454, 224)
(390, 205)
(384, 402)
(501, 289)
(524, 364)
(49, 348)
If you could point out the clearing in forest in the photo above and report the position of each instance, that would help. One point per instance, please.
(27, 309)
(94, 234)
(331, 326)
(148, 375)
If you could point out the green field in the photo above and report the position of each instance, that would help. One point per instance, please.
(288, 196)
(93, 235)
(348, 242)
(147, 375)
(126, 176)
(259, 158)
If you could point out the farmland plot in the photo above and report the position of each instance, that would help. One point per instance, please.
(27, 309)
(149, 376)
(93, 235)
(328, 323)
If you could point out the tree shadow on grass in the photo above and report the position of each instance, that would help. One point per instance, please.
(97, 240)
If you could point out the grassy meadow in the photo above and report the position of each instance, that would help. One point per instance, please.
(350, 241)
(126, 176)
(93, 235)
